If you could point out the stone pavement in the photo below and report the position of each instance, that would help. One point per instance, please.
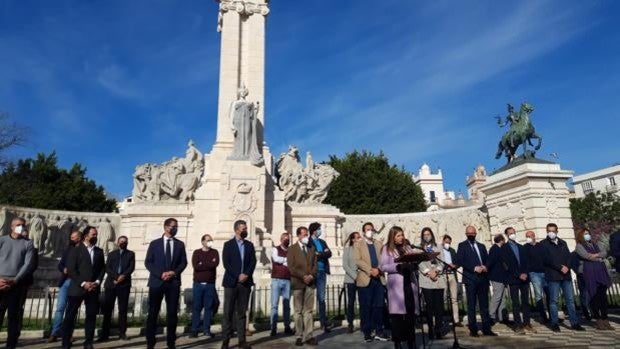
(568, 338)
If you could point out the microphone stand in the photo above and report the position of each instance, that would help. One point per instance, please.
(455, 343)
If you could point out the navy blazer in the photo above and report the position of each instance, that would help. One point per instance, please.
(231, 258)
(155, 261)
(496, 265)
(614, 248)
(467, 258)
(514, 268)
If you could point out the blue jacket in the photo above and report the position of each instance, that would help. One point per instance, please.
(496, 265)
(514, 268)
(232, 262)
(325, 255)
(468, 259)
(155, 261)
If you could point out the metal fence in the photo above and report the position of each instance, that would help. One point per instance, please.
(40, 305)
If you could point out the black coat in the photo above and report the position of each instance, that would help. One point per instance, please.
(232, 262)
(514, 267)
(128, 264)
(467, 258)
(155, 261)
(496, 265)
(81, 269)
(554, 257)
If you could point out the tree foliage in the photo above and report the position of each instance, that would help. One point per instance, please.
(599, 212)
(11, 135)
(368, 184)
(39, 183)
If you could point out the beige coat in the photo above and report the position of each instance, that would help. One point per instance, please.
(362, 261)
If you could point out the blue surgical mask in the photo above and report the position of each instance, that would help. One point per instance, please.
(318, 233)
(587, 237)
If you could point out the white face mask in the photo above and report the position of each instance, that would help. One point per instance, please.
(305, 240)
(513, 237)
(19, 229)
(446, 246)
(587, 237)
(552, 235)
(529, 240)
(427, 239)
(369, 234)
(209, 244)
(318, 233)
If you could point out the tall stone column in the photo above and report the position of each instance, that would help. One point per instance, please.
(242, 60)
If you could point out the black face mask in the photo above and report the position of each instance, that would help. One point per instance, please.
(286, 243)
(471, 238)
(244, 234)
(123, 246)
(73, 243)
(93, 241)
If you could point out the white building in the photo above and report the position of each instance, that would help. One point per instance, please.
(605, 180)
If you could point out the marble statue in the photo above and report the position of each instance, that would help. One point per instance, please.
(37, 230)
(520, 133)
(176, 179)
(244, 125)
(303, 185)
(106, 234)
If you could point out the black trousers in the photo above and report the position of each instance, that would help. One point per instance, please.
(478, 292)
(170, 292)
(235, 305)
(519, 295)
(598, 303)
(91, 301)
(434, 308)
(110, 296)
(10, 304)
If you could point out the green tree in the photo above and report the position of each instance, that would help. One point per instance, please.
(368, 184)
(599, 212)
(39, 183)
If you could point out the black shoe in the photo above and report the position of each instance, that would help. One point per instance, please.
(209, 334)
(244, 345)
(123, 337)
(578, 328)
(88, 346)
(273, 332)
(326, 329)
(473, 333)
(489, 333)
(368, 338)
(225, 344)
(102, 339)
(381, 337)
(299, 342)
(289, 331)
(312, 341)
(555, 328)
(350, 329)
(459, 324)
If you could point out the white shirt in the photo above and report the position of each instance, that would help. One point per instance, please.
(91, 252)
(303, 247)
(278, 259)
(171, 246)
(477, 251)
(447, 257)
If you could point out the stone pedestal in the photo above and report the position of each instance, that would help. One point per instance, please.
(528, 196)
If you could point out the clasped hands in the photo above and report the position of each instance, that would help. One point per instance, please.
(6, 284)
(308, 279)
(243, 278)
(90, 286)
(375, 272)
(168, 275)
(480, 269)
(119, 279)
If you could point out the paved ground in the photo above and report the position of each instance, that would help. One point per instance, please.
(591, 338)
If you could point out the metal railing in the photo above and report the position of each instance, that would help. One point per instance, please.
(40, 305)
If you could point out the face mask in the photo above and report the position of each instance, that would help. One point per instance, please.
(210, 244)
(286, 243)
(93, 241)
(318, 233)
(529, 240)
(123, 246)
(73, 243)
(368, 234)
(471, 238)
(513, 237)
(551, 235)
(173, 231)
(427, 239)
(446, 246)
(305, 240)
(205, 243)
(19, 229)
(587, 237)
(244, 234)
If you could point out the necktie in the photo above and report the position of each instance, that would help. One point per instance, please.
(473, 247)
(168, 254)
(304, 249)
(120, 262)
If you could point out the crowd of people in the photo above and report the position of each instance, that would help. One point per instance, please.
(375, 274)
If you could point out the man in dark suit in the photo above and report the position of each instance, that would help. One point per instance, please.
(239, 260)
(518, 281)
(472, 256)
(85, 267)
(165, 260)
(119, 267)
(614, 249)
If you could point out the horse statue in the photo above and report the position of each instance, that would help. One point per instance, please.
(521, 133)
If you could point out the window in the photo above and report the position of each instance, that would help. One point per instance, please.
(612, 181)
(433, 197)
(587, 187)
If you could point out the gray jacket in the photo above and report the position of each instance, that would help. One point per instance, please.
(348, 263)
(583, 255)
(426, 281)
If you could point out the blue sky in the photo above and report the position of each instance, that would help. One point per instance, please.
(113, 84)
